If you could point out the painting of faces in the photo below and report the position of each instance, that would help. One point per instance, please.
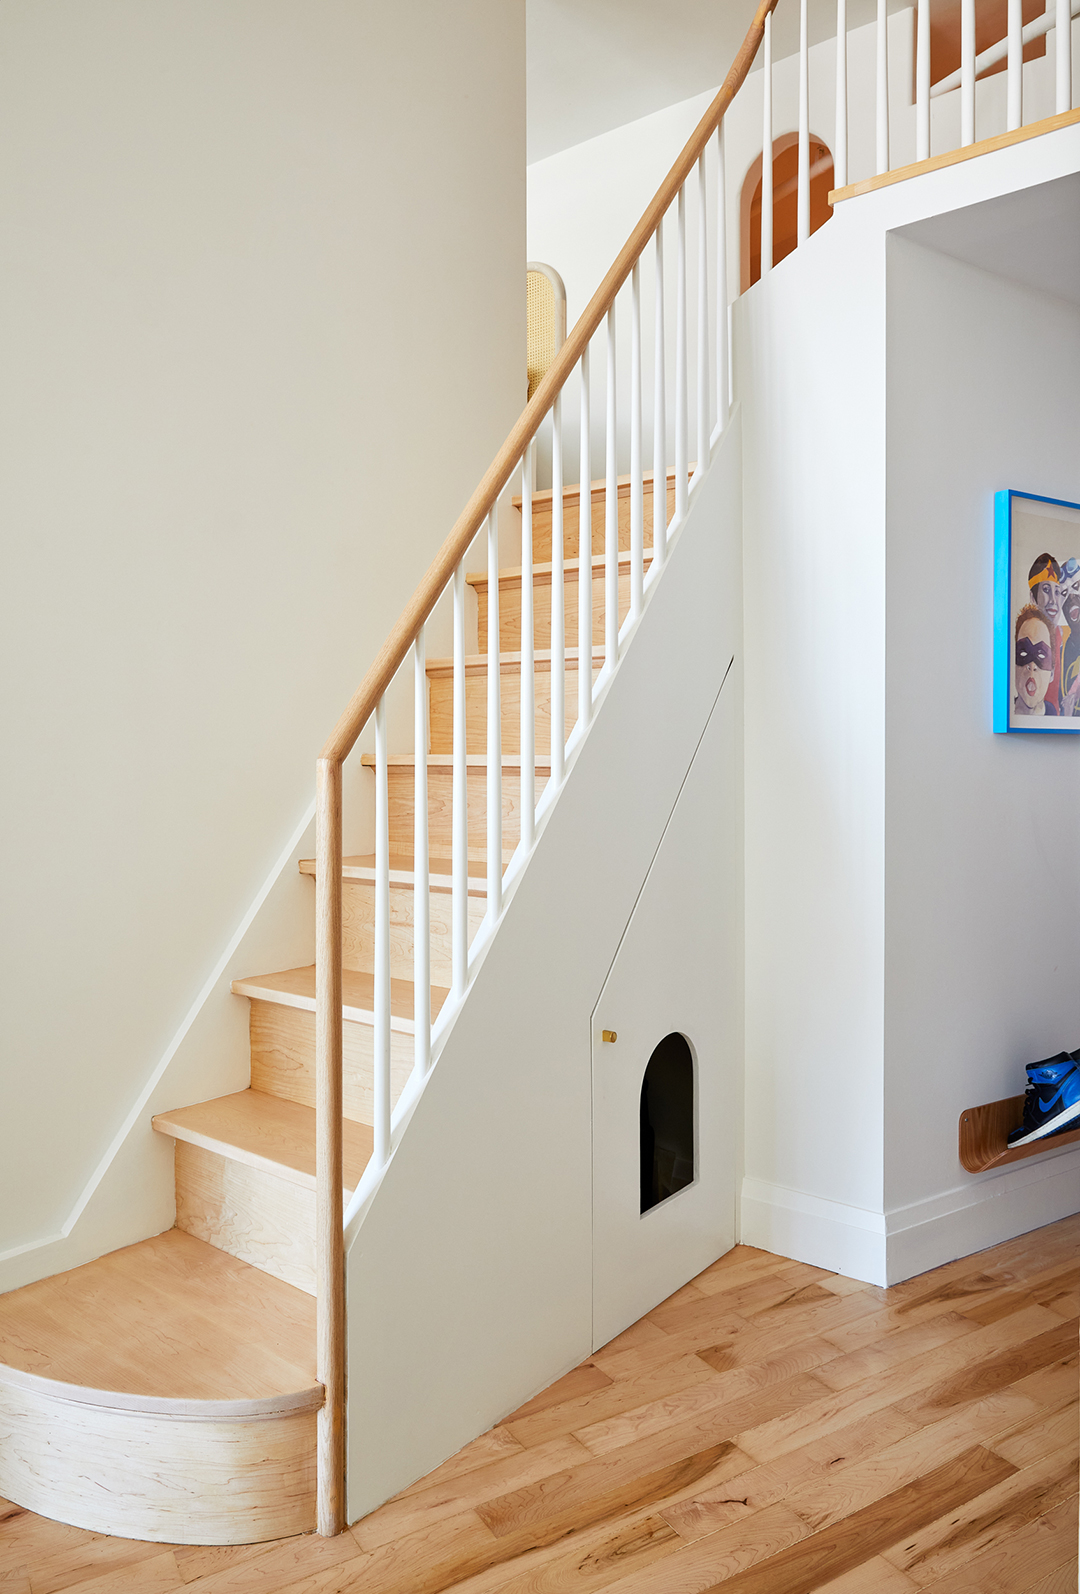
(1044, 607)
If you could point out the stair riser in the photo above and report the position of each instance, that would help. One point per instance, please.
(145, 1475)
(283, 1059)
(440, 809)
(441, 699)
(358, 929)
(510, 609)
(249, 1213)
(542, 522)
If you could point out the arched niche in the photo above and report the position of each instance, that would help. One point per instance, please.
(667, 1121)
(785, 202)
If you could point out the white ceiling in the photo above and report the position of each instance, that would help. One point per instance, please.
(595, 64)
(1032, 236)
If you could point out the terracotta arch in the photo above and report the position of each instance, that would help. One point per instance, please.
(785, 202)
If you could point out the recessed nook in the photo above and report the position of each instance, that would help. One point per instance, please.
(667, 1122)
(785, 203)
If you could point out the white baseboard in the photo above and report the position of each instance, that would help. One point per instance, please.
(848, 1240)
(983, 1211)
(129, 1196)
(886, 1248)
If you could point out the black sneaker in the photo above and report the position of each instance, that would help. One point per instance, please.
(1052, 1101)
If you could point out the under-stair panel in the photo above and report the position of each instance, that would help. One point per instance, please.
(441, 693)
(510, 602)
(245, 1178)
(166, 1392)
(401, 782)
(542, 516)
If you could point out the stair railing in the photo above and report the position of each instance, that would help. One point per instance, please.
(618, 427)
(972, 68)
(511, 805)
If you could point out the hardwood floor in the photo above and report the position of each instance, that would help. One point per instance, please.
(770, 1429)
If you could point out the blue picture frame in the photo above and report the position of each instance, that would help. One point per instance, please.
(1011, 593)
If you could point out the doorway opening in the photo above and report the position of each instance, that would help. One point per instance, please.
(785, 202)
(667, 1122)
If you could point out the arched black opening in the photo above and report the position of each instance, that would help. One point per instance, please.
(667, 1122)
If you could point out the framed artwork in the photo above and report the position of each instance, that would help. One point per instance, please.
(1036, 614)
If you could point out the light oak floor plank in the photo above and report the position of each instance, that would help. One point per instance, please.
(771, 1429)
(872, 1577)
(1064, 1580)
(949, 1543)
(1011, 1564)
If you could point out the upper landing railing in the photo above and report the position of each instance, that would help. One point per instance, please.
(662, 398)
(972, 69)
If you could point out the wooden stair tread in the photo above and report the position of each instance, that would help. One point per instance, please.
(572, 491)
(266, 1132)
(510, 661)
(402, 873)
(296, 988)
(513, 572)
(446, 760)
(169, 1325)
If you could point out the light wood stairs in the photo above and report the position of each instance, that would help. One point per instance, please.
(184, 1365)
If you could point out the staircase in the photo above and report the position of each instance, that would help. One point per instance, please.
(191, 1388)
(131, 1387)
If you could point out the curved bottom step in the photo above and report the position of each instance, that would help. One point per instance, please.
(165, 1392)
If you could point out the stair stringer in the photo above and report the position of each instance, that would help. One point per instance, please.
(469, 1273)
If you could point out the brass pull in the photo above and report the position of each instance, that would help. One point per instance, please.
(608, 1035)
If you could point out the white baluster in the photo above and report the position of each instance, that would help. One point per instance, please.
(459, 831)
(841, 141)
(681, 395)
(766, 150)
(611, 510)
(381, 977)
(528, 677)
(922, 82)
(803, 212)
(1063, 58)
(1015, 90)
(585, 556)
(703, 321)
(421, 866)
(967, 72)
(722, 383)
(558, 599)
(494, 727)
(882, 96)
(637, 491)
(659, 459)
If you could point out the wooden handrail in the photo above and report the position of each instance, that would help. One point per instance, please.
(390, 657)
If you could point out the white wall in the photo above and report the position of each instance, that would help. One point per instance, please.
(584, 202)
(470, 1274)
(871, 457)
(982, 875)
(810, 371)
(262, 330)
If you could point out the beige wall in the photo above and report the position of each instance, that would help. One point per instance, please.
(247, 248)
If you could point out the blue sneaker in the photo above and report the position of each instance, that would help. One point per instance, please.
(1052, 1101)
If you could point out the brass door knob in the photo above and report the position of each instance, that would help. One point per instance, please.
(608, 1035)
